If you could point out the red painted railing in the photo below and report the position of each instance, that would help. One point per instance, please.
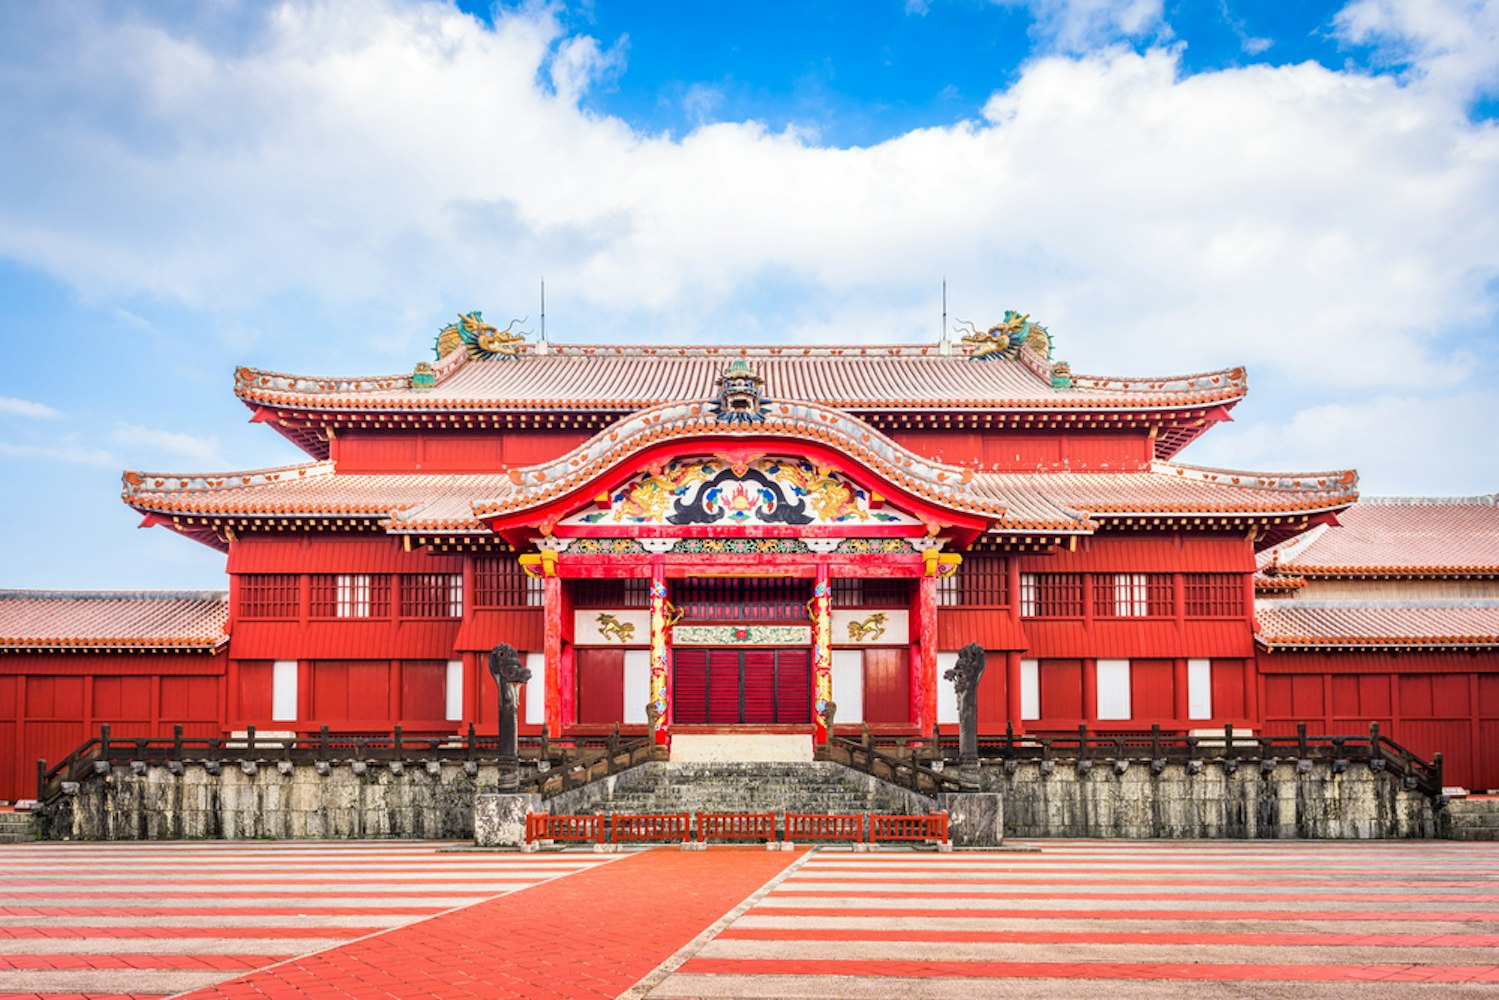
(924, 828)
(543, 826)
(736, 826)
(664, 826)
(814, 826)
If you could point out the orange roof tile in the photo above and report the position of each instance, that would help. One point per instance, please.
(119, 619)
(1291, 624)
(1399, 537)
(573, 377)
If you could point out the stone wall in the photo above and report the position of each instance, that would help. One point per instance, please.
(272, 801)
(350, 800)
(1288, 799)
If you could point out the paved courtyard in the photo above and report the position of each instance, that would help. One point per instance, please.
(1124, 919)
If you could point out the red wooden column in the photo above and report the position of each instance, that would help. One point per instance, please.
(924, 678)
(660, 657)
(822, 652)
(1180, 703)
(552, 594)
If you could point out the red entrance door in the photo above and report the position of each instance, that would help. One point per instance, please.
(734, 686)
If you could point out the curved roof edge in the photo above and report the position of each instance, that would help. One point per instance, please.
(934, 482)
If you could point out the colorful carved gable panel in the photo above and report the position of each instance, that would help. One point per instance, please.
(763, 492)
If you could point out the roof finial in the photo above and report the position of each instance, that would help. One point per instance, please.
(944, 346)
(541, 343)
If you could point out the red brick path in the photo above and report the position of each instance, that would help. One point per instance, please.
(594, 933)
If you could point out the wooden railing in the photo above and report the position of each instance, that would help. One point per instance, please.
(821, 826)
(1154, 749)
(547, 765)
(678, 827)
(928, 829)
(900, 762)
(662, 826)
(736, 826)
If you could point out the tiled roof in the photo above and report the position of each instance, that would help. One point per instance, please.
(1167, 488)
(1030, 501)
(1377, 624)
(1404, 536)
(117, 619)
(299, 490)
(573, 377)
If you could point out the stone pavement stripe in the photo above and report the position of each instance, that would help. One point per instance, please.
(591, 934)
(1096, 970)
(1257, 952)
(179, 945)
(339, 919)
(193, 922)
(697, 987)
(9, 935)
(861, 903)
(132, 982)
(914, 891)
(1110, 884)
(185, 911)
(1073, 922)
(175, 961)
(740, 932)
(1140, 914)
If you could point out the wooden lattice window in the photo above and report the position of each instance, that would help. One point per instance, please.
(431, 595)
(1132, 595)
(980, 582)
(350, 595)
(627, 593)
(733, 599)
(268, 595)
(1051, 595)
(1214, 595)
(876, 592)
(501, 583)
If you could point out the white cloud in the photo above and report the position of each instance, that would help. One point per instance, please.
(1401, 444)
(198, 448)
(27, 408)
(1081, 25)
(62, 450)
(1452, 45)
(397, 158)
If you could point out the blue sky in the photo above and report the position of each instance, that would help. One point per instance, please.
(1310, 189)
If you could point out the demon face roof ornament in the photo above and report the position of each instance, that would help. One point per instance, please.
(741, 394)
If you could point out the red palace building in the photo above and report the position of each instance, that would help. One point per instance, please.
(688, 539)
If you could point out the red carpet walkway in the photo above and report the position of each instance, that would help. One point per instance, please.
(591, 934)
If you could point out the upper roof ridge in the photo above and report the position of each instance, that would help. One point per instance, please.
(1334, 480)
(1482, 500)
(169, 482)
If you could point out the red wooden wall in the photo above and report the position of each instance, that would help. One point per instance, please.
(1426, 701)
(448, 451)
(52, 702)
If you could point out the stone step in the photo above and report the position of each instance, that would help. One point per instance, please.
(15, 828)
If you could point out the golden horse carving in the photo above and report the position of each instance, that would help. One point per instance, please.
(612, 627)
(867, 630)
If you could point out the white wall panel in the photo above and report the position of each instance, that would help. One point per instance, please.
(1113, 689)
(848, 684)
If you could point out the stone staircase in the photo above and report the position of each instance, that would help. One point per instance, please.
(15, 828)
(809, 787)
(1473, 819)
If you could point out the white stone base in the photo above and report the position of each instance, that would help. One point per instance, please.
(732, 748)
